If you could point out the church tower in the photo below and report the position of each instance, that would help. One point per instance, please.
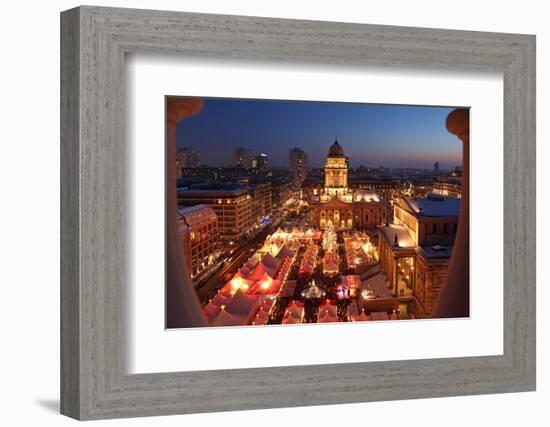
(336, 171)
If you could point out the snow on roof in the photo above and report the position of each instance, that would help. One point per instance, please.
(436, 251)
(378, 284)
(197, 214)
(403, 238)
(434, 206)
(367, 195)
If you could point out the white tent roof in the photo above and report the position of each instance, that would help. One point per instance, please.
(291, 320)
(242, 304)
(211, 311)
(259, 287)
(295, 310)
(327, 318)
(293, 314)
(260, 270)
(379, 315)
(285, 251)
(330, 266)
(261, 318)
(270, 261)
(287, 289)
(244, 272)
(251, 262)
(306, 267)
(362, 317)
(331, 309)
(220, 299)
(227, 319)
(237, 282)
(353, 309)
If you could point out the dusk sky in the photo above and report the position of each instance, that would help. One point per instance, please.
(371, 134)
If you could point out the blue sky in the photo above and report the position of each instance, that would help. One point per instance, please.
(371, 134)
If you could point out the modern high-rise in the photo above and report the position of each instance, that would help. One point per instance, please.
(259, 161)
(243, 157)
(188, 157)
(298, 166)
(233, 208)
(436, 167)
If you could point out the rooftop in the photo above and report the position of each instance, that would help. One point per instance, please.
(391, 231)
(435, 252)
(336, 150)
(434, 206)
(196, 214)
(211, 191)
(365, 195)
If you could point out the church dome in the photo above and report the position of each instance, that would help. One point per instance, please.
(336, 150)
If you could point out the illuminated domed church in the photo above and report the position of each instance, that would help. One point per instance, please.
(340, 205)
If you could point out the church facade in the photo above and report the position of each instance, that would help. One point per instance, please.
(340, 205)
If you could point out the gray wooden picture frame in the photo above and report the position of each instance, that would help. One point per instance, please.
(94, 381)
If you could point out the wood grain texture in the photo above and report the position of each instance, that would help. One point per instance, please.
(94, 382)
(70, 314)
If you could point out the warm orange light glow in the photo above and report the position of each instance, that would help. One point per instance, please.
(237, 282)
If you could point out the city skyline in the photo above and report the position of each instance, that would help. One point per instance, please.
(393, 136)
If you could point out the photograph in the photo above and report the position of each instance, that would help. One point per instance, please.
(293, 212)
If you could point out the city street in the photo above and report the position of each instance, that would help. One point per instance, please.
(240, 255)
(237, 258)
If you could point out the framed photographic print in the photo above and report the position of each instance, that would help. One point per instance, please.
(273, 233)
(261, 213)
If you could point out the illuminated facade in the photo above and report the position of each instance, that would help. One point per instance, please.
(198, 231)
(448, 187)
(239, 210)
(339, 205)
(233, 208)
(414, 251)
(336, 172)
(261, 201)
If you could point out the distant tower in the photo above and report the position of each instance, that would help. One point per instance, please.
(188, 157)
(436, 167)
(242, 157)
(297, 165)
(259, 161)
(336, 171)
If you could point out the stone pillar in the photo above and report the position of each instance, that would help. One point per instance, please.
(454, 298)
(183, 308)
